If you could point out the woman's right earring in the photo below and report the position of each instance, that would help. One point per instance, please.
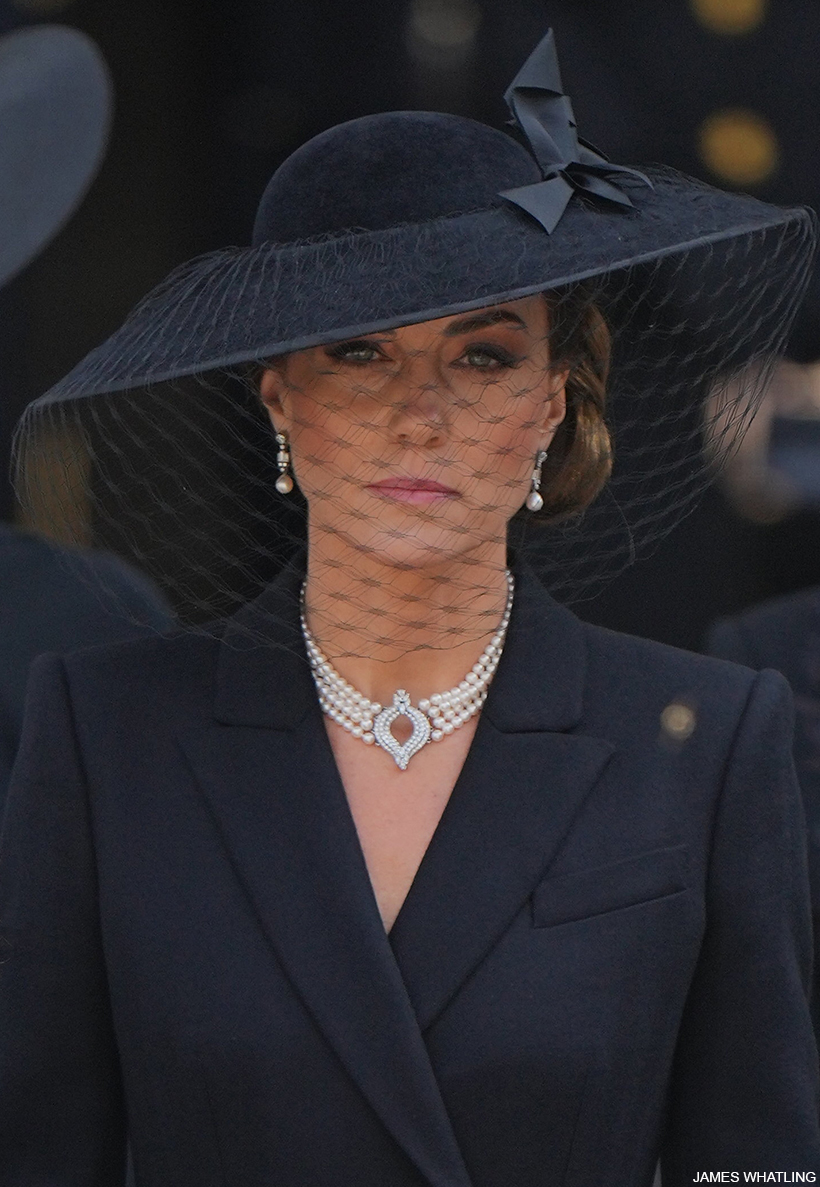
(535, 500)
(284, 483)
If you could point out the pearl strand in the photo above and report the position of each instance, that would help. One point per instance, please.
(446, 711)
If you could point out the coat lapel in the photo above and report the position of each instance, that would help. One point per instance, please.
(526, 778)
(514, 803)
(276, 798)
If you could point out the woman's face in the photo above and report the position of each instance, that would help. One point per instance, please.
(417, 444)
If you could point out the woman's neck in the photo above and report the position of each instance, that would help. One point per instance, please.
(384, 627)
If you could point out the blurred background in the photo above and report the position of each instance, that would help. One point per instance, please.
(210, 97)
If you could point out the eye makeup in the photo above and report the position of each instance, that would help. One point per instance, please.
(346, 352)
(498, 356)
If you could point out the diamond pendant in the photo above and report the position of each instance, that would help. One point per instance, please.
(401, 707)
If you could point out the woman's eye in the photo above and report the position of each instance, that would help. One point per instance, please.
(488, 357)
(354, 352)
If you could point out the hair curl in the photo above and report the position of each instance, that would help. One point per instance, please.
(580, 455)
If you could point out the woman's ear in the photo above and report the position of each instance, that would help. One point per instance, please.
(555, 405)
(270, 389)
(271, 384)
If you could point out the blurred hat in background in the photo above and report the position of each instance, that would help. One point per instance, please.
(55, 115)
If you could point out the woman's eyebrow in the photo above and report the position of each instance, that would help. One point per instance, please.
(480, 321)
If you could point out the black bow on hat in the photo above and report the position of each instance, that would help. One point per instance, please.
(544, 114)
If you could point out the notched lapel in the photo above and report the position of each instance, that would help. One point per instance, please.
(514, 803)
(525, 779)
(277, 801)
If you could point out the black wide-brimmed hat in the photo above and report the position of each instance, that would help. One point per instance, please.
(55, 113)
(401, 218)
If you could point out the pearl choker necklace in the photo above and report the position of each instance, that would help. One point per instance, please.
(436, 716)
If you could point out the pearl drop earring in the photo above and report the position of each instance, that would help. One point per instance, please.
(535, 500)
(284, 483)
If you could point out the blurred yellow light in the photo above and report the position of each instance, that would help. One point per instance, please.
(730, 16)
(739, 146)
(678, 721)
(445, 24)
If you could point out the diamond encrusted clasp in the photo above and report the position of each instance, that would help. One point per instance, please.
(401, 707)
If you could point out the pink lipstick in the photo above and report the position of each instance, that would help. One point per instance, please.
(417, 491)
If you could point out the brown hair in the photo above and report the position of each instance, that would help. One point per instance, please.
(580, 456)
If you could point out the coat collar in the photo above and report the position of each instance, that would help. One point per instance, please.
(262, 652)
(267, 771)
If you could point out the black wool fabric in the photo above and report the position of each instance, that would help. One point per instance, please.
(603, 960)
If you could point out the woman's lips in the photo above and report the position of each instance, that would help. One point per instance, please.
(412, 490)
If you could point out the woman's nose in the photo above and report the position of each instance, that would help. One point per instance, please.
(418, 418)
(419, 401)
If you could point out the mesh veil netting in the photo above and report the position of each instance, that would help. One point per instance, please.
(179, 477)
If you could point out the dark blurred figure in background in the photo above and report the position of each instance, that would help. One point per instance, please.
(785, 634)
(54, 116)
(779, 467)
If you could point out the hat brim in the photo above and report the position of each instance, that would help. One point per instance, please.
(55, 114)
(159, 456)
(233, 307)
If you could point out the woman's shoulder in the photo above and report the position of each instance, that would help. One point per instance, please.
(659, 660)
(681, 719)
(636, 674)
(187, 677)
(154, 673)
(556, 642)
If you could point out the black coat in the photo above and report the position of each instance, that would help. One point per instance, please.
(603, 958)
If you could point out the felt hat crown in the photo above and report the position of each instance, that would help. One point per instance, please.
(390, 170)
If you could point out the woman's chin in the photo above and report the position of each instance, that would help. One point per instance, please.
(427, 546)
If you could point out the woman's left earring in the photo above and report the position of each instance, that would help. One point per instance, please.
(535, 500)
(284, 483)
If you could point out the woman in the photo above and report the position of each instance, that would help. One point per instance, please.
(477, 894)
